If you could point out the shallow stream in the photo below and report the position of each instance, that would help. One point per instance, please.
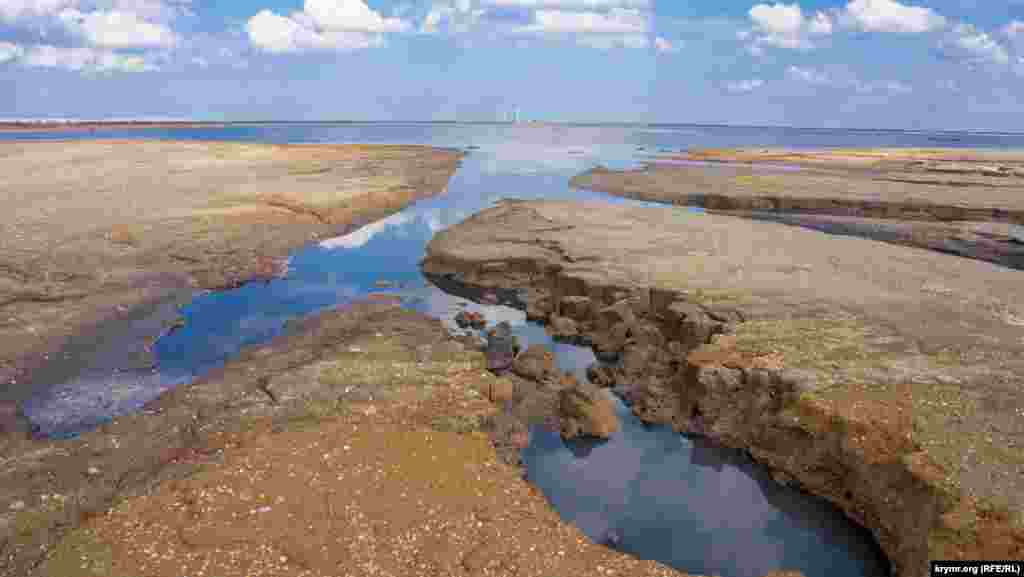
(646, 491)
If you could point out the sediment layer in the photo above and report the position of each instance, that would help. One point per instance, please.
(879, 377)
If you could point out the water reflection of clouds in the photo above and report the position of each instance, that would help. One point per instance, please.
(363, 235)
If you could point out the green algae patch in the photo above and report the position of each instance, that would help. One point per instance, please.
(828, 346)
(79, 553)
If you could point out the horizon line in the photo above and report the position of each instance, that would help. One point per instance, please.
(166, 120)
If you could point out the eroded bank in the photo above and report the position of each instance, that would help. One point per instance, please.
(879, 377)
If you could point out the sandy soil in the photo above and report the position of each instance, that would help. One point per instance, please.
(94, 228)
(374, 410)
(881, 377)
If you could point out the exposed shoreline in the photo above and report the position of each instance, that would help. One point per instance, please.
(822, 371)
(960, 201)
(84, 246)
(6, 127)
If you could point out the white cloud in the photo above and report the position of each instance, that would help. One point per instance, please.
(279, 34)
(618, 20)
(664, 46)
(614, 28)
(784, 26)
(821, 24)
(152, 10)
(809, 75)
(15, 10)
(83, 59)
(891, 16)
(978, 45)
(456, 16)
(744, 86)
(569, 4)
(844, 80)
(116, 29)
(349, 15)
(9, 51)
(322, 25)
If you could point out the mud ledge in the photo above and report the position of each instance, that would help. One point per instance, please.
(814, 396)
(955, 201)
(95, 228)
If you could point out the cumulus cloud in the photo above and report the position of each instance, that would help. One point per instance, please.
(15, 10)
(664, 46)
(95, 28)
(891, 16)
(116, 29)
(322, 25)
(280, 34)
(614, 28)
(349, 15)
(977, 45)
(784, 26)
(618, 20)
(82, 59)
(455, 16)
(744, 86)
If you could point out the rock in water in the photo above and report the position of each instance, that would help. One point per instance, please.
(601, 375)
(470, 319)
(563, 328)
(586, 411)
(536, 364)
(12, 420)
(501, 348)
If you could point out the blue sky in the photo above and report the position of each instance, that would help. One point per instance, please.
(819, 63)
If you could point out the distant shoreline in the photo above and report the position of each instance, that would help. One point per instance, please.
(99, 125)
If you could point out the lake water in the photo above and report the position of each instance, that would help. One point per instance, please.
(664, 496)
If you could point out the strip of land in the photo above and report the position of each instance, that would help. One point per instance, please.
(884, 378)
(100, 125)
(964, 202)
(92, 229)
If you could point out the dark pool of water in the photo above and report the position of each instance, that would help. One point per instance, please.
(653, 493)
(693, 506)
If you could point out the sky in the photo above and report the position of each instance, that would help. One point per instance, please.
(923, 64)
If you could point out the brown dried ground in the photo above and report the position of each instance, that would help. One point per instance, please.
(372, 461)
(959, 201)
(93, 227)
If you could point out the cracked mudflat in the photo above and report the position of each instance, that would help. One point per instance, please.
(884, 378)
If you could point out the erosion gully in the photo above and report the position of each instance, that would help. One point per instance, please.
(646, 491)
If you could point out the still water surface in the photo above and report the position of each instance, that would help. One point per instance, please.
(655, 493)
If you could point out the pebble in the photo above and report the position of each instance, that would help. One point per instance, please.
(93, 471)
(17, 505)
